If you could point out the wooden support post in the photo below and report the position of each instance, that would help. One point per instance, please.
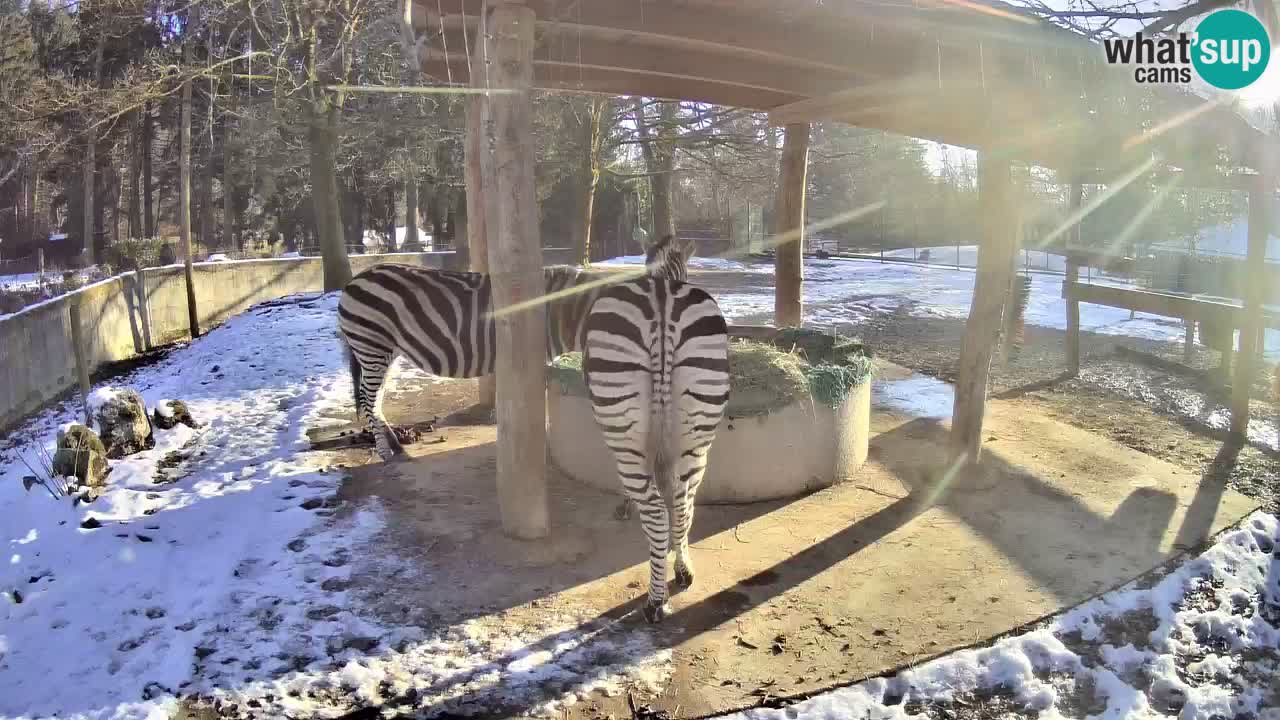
(1188, 340)
(40, 266)
(478, 210)
(515, 264)
(82, 356)
(996, 254)
(1261, 196)
(1073, 276)
(788, 256)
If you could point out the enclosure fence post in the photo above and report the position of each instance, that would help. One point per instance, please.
(1069, 283)
(81, 354)
(478, 208)
(788, 309)
(40, 266)
(515, 262)
(1261, 196)
(997, 252)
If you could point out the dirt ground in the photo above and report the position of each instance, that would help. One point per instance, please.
(791, 596)
(1137, 392)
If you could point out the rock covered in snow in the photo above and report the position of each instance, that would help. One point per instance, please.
(122, 421)
(81, 455)
(171, 413)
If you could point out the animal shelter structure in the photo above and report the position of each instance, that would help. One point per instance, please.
(973, 74)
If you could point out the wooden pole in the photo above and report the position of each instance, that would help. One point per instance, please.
(515, 265)
(1073, 276)
(1260, 199)
(788, 309)
(996, 255)
(82, 359)
(478, 210)
(40, 266)
(184, 196)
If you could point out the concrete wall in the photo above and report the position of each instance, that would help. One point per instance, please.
(798, 449)
(133, 312)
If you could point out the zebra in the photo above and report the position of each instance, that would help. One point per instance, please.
(440, 321)
(656, 365)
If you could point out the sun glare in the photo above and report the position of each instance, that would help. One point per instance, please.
(1265, 90)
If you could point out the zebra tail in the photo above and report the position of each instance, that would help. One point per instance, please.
(354, 366)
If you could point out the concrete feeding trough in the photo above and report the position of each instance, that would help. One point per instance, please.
(798, 418)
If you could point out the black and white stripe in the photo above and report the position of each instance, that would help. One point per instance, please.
(657, 368)
(441, 321)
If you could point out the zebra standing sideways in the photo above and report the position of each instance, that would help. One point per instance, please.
(440, 320)
(657, 367)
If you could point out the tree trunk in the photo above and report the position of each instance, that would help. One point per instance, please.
(439, 210)
(229, 230)
(788, 309)
(659, 160)
(184, 195)
(148, 142)
(89, 168)
(325, 201)
(391, 218)
(411, 213)
(135, 172)
(33, 195)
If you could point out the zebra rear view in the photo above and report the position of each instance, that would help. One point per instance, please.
(656, 364)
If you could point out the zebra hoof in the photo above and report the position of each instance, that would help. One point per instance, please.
(654, 613)
(682, 579)
(622, 513)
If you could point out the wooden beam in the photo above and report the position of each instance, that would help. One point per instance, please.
(1073, 276)
(748, 36)
(788, 309)
(515, 264)
(559, 57)
(995, 265)
(1261, 200)
(607, 81)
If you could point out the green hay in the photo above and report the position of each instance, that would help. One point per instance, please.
(764, 377)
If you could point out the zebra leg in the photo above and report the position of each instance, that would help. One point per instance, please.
(655, 520)
(373, 372)
(690, 469)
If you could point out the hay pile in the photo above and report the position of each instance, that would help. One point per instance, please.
(798, 365)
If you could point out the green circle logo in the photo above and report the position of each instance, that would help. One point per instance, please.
(1231, 49)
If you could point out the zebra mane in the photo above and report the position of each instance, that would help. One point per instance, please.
(669, 258)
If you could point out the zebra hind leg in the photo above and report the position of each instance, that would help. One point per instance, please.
(373, 372)
(689, 473)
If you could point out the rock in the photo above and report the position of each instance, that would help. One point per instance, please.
(122, 421)
(81, 455)
(172, 413)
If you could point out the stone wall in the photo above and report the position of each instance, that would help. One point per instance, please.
(134, 312)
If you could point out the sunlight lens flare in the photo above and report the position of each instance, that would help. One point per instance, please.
(620, 277)
(1141, 217)
(1173, 122)
(1094, 203)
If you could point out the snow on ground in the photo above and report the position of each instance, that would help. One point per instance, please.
(1202, 643)
(217, 564)
(847, 292)
(23, 281)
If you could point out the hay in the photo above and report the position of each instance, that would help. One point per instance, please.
(798, 366)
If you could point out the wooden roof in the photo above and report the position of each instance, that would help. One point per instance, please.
(972, 73)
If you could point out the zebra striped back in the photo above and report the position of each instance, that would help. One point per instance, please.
(657, 368)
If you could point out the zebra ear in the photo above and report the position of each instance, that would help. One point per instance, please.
(688, 248)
